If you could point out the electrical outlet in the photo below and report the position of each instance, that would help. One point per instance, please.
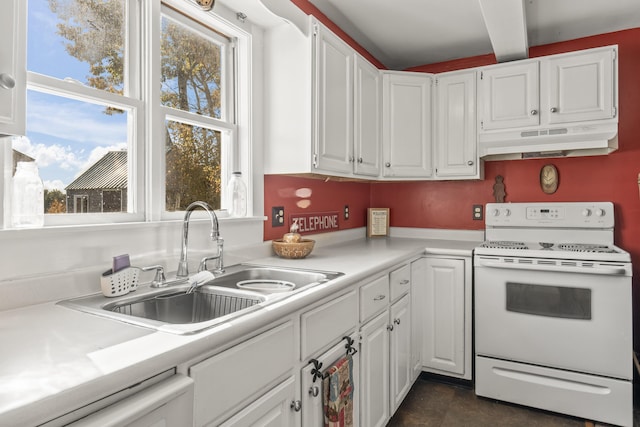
(346, 211)
(277, 216)
(477, 212)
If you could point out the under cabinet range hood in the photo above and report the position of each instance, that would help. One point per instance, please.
(580, 140)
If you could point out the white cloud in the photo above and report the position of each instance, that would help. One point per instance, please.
(47, 155)
(56, 184)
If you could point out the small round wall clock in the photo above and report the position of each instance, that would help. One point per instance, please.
(549, 179)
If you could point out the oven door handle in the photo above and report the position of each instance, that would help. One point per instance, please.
(608, 271)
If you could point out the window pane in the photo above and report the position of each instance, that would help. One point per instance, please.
(82, 40)
(192, 166)
(191, 70)
(81, 152)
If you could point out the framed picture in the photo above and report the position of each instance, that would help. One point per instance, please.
(377, 222)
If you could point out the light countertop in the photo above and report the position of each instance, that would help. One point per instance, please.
(56, 359)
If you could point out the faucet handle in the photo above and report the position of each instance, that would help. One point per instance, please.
(159, 280)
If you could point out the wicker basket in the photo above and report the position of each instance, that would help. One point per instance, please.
(293, 250)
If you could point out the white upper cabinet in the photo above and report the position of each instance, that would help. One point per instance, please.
(581, 86)
(456, 136)
(334, 90)
(368, 118)
(13, 68)
(510, 95)
(322, 110)
(406, 125)
(559, 89)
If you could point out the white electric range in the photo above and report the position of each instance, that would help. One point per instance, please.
(553, 310)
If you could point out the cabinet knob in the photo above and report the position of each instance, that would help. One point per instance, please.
(314, 390)
(388, 164)
(534, 112)
(396, 321)
(359, 159)
(352, 159)
(389, 327)
(470, 162)
(554, 110)
(7, 81)
(296, 405)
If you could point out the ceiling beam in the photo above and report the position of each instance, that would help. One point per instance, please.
(506, 23)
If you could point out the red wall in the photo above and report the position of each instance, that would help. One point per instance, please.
(448, 205)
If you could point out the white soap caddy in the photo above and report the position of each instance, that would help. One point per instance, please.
(119, 283)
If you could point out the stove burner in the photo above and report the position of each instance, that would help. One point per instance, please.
(586, 247)
(504, 244)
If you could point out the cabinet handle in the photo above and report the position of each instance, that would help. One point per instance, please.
(554, 110)
(389, 327)
(360, 160)
(7, 81)
(470, 162)
(352, 159)
(313, 391)
(396, 321)
(388, 164)
(534, 112)
(404, 282)
(296, 405)
(379, 297)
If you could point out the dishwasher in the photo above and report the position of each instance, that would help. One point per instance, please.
(164, 400)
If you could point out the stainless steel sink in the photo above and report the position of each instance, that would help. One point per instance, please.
(243, 288)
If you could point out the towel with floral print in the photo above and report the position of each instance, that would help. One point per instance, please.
(337, 389)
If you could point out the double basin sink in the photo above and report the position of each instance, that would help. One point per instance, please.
(243, 288)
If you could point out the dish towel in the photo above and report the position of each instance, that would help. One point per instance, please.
(337, 391)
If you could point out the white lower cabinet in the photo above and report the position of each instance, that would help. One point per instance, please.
(446, 317)
(387, 359)
(274, 409)
(233, 380)
(311, 390)
(374, 372)
(400, 351)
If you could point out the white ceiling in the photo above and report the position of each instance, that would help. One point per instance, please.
(406, 33)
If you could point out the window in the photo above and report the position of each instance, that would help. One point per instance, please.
(197, 110)
(97, 121)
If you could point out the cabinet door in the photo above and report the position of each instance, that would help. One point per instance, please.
(13, 36)
(406, 137)
(510, 96)
(334, 103)
(444, 323)
(274, 409)
(400, 351)
(581, 86)
(367, 114)
(235, 377)
(311, 391)
(418, 280)
(374, 372)
(456, 146)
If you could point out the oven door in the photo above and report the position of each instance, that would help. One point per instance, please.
(577, 319)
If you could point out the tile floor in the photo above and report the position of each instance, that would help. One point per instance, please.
(435, 404)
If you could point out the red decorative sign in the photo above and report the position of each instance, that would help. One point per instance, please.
(316, 222)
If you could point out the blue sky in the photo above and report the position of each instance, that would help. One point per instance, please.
(64, 136)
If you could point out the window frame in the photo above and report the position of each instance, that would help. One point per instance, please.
(141, 99)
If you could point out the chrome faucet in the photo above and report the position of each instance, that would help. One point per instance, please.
(183, 268)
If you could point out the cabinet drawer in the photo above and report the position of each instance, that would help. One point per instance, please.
(328, 323)
(400, 282)
(374, 297)
(224, 381)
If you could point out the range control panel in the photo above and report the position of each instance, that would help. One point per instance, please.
(568, 215)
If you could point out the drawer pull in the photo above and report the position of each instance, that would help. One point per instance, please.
(396, 321)
(404, 281)
(389, 327)
(379, 297)
(314, 390)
